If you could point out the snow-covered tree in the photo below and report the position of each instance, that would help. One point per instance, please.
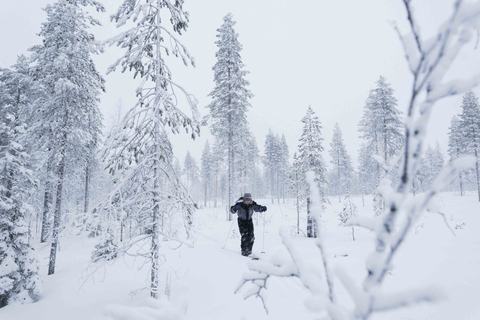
(230, 97)
(432, 165)
(218, 155)
(18, 266)
(190, 170)
(270, 161)
(283, 165)
(455, 147)
(470, 129)
(67, 73)
(310, 159)
(296, 186)
(381, 130)
(246, 158)
(151, 189)
(342, 164)
(349, 211)
(206, 170)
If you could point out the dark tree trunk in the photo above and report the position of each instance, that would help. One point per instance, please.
(47, 204)
(57, 215)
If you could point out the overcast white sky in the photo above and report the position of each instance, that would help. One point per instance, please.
(327, 54)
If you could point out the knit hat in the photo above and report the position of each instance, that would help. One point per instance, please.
(247, 196)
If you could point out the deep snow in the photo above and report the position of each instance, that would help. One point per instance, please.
(203, 279)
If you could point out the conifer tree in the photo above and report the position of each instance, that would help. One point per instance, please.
(284, 165)
(190, 169)
(65, 118)
(470, 128)
(230, 96)
(206, 169)
(18, 266)
(349, 211)
(141, 144)
(431, 166)
(296, 186)
(270, 161)
(342, 164)
(310, 159)
(455, 147)
(381, 130)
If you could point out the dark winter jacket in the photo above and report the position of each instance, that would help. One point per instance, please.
(244, 211)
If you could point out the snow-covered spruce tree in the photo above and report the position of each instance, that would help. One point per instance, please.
(296, 186)
(270, 161)
(310, 159)
(246, 158)
(470, 129)
(65, 69)
(206, 171)
(190, 170)
(230, 96)
(284, 165)
(154, 189)
(381, 131)
(432, 165)
(349, 211)
(218, 155)
(456, 148)
(342, 164)
(18, 266)
(429, 60)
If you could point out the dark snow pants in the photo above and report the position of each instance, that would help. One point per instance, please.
(246, 230)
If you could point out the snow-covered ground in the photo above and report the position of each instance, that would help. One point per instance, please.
(203, 278)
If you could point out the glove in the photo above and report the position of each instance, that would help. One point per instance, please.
(264, 208)
(233, 209)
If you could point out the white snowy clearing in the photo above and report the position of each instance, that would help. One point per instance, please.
(204, 278)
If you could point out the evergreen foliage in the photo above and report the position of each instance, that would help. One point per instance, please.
(230, 98)
(139, 151)
(470, 130)
(19, 280)
(456, 148)
(349, 211)
(310, 159)
(67, 120)
(342, 172)
(382, 133)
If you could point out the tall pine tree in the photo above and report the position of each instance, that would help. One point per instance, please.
(310, 159)
(456, 148)
(230, 96)
(470, 128)
(66, 116)
(381, 130)
(152, 184)
(342, 164)
(18, 266)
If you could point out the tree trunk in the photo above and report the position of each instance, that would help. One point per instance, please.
(87, 183)
(57, 214)
(298, 214)
(216, 189)
(230, 154)
(154, 251)
(353, 233)
(338, 178)
(460, 176)
(478, 176)
(47, 203)
(310, 222)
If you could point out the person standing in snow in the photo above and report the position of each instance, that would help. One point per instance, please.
(245, 207)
